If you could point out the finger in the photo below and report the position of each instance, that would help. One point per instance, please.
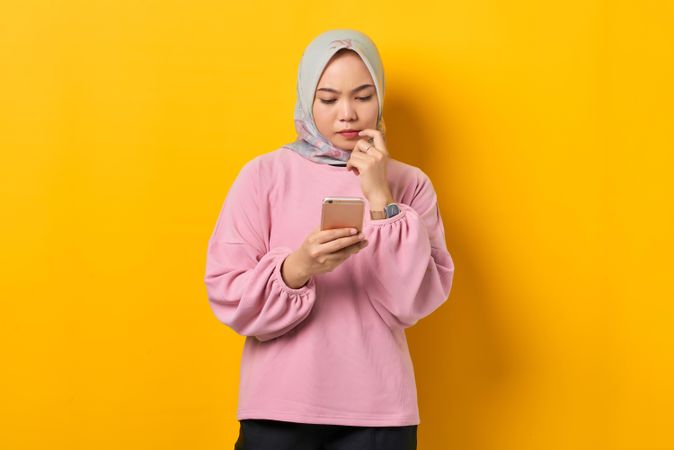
(354, 162)
(367, 135)
(362, 146)
(365, 151)
(347, 251)
(359, 159)
(366, 148)
(340, 244)
(335, 233)
(357, 155)
(358, 246)
(377, 137)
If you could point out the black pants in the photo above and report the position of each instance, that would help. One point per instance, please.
(264, 434)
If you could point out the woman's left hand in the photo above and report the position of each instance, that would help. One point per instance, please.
(370, 162)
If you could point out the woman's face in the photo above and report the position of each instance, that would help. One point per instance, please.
(345, 97)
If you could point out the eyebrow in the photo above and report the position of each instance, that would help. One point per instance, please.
(361, 87)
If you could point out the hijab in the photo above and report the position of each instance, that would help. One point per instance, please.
(310, 143)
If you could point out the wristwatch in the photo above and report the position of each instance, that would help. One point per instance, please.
(389, 211)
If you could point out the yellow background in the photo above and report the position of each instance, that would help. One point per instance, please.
(546, 127)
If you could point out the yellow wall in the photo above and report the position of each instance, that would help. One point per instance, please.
(547, 128)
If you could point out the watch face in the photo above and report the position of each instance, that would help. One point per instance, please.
(392, 210)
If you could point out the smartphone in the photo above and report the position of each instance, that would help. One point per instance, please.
(342, 212)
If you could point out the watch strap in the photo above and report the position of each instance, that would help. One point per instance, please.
(379, 214)
(383, 213)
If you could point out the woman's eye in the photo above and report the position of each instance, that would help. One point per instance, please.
(328, 102)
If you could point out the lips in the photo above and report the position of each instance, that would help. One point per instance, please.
(350, 134)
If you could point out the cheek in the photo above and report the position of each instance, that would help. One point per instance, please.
(371, 112)
(374, 110)
(321, 114)
(375, 107)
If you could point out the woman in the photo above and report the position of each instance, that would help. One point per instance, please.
(325, 362)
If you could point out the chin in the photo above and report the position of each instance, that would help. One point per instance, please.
(346, 147)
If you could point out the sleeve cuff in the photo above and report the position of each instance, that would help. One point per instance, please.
(283, 253)
(379, 222)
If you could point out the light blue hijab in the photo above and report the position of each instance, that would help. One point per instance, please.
(310, 143)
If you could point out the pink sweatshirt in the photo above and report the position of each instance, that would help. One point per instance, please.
(333, 351)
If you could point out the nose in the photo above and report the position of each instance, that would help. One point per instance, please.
(347, 111)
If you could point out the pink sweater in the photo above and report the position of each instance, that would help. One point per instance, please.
(333, 351)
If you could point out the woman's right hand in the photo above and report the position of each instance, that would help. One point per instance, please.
(321, 251)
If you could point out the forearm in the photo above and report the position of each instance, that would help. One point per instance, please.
(247, 293)
(379, 201)
(409, 274)
(292, 273)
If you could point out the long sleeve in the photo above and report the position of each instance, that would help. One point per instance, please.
(243, 276)
(408, 268)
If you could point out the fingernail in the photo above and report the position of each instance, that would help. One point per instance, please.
(354, 231)
(361, 236)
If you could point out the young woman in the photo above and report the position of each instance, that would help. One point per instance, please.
(325, 363)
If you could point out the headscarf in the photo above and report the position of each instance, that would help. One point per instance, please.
(310, 143)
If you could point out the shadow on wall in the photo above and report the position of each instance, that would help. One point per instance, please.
(461, 356)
